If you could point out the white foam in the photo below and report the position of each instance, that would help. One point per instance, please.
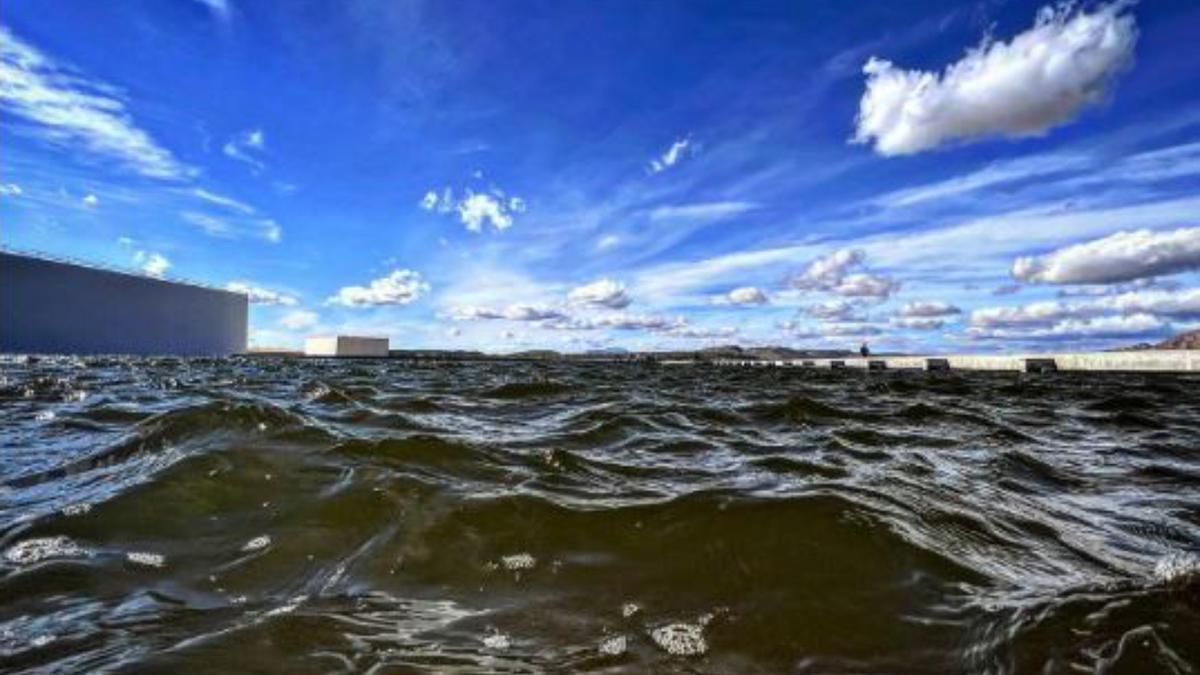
(614, 646)
(1175, 567)
(680, 639)
(44, 416)
(258, 543)
(289, 607)
(519, 561)
(629, 609)
(31, 551)
(76, 509)
(146, 559)
(497, 640)
(42, 640)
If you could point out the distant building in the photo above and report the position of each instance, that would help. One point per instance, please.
(346, 345)
(50, 306)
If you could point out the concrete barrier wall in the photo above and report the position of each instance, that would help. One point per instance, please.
(1150, 360)
(52, 307)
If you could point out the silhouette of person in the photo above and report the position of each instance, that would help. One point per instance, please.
(864, 350)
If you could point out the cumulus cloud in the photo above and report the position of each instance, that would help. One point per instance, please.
(842, 272)
(62, 108)
(479, 209)
(1124, 256)
(833, 310)
(90, 200)
(918, 322)
(10, 190)
(1040, 79)
(672, 155)
(1121, 326)
(721, 332)
(927, 309)
(247, 147)
(475, 209)
(1111, 312)
(152, 264)
(619, 321)
(602, 293)
(744, 295)
(398, 288)
(262, 296)
(298, 319)
(515, 312)
(864, 285)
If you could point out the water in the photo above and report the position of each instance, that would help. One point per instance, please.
(294, 516)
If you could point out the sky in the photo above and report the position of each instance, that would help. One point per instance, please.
(576, 175)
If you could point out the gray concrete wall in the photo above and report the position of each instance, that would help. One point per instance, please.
(51, 307)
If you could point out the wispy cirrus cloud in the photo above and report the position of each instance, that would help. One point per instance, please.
(262, 296)
(61, 107)
(1040, 79)
(247, 147)
(672, 155)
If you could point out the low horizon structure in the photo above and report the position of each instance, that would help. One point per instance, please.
(51, 306)
(346, 346)
(1140, 361)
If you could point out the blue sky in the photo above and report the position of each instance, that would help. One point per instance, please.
(938, 176)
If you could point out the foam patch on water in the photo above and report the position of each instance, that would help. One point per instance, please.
(76, 509)
(497, 640)
(520, 561)
(44, 416)
(629, 609)
(1177, 567)
(258, 543)
(146, 559)
(32, 551)
(290, 607)
(614, 646)
(680, 639)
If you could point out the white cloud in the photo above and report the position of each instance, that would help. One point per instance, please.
(64, 109)
(478, 209)
(1125, 326)
(864, 285)
(90, 200)
(1123, 256)
(606, 242)
(744, 295)
(1178, 304)
(299, 319)
(998, 173)
(704, 211)
(833, 273)
(833, 310)
(619, 321)
(918, 323)
(928, 308)
(671, 156)
(722, 332)
(398, 288)
(219, 8)
(1034, 314)
(601, 293)
(11, 190)
(515, 312)
(827, 271)
(222, 200)
(247, 147)
(1040, 79)
(262, 296)
(153, 264)
(234, 227)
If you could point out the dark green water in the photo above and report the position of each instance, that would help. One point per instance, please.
(296, 517)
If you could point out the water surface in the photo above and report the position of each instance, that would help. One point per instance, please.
(303, 516)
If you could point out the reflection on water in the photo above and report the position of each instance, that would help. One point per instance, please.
(302, 516)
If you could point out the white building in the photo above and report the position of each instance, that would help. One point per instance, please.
(346, 345)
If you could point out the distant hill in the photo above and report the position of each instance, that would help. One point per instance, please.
(1188, 340)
